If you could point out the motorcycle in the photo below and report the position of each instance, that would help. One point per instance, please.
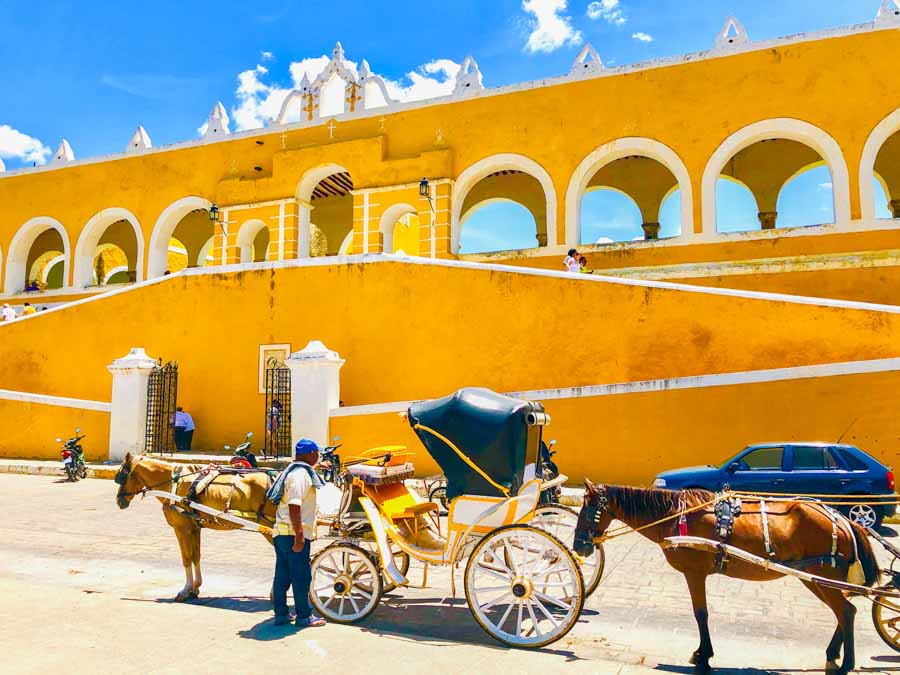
(243, 458)
(72, 455)
(329, 466)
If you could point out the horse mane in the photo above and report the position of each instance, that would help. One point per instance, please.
(651, 502)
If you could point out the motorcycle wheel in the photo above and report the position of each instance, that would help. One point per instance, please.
(82, 471)
(70, 473)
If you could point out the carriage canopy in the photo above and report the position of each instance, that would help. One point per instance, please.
(481, 439)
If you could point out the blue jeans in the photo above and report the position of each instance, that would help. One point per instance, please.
(291, 571)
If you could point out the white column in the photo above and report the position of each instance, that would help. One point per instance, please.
(128, 420)
(304, 210)
(315, 391)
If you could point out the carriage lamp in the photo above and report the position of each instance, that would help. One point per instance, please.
(214, 213)
(423, 187)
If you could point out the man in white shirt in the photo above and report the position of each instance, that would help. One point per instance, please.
(295, 528)
(571, 261)
(184, 429)
(8, 313)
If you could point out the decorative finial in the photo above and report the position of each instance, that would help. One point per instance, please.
(732, 34)
(468, 79)
(63, 153)
(304, 82)
(139, 141)
(364, 70)
(888, 13)
(587, 62)
(338, 50)
(217, 124)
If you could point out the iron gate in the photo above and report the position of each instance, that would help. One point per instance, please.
(162, 395)
(278, 409)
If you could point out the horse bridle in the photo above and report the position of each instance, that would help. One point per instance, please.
(122, 475)
(597, 504)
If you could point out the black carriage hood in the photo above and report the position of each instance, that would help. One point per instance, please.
(491, 431)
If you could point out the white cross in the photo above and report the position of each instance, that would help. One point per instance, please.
(331, 126)
(283, 136)
(440, 137)
(382, 120)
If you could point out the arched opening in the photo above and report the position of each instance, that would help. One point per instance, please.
(506, 210)
(177, 256)
(618, 187)
(491, 182)
(187, 220)
(205, 256)
(326, 210)
(887, 171)
(765, 156)
(497, 225)
(738, 210)
(609, 215)
(110, 266)
(111, 227)
(882, 200)
(778, 172)
(331, 97)
(37, 243)
(399, 229)
(253, 241)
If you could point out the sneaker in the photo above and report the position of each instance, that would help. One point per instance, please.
(311, 621)
(284, 619)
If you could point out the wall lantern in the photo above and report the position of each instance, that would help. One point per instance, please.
(423, 187)
(214, 213)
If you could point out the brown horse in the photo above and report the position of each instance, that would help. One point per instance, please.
(243, 495)
(798, 531)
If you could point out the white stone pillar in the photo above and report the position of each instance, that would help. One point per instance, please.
(315, 391)
(128, 420)
(304, 217)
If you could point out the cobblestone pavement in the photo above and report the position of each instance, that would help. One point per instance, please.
(71, 557)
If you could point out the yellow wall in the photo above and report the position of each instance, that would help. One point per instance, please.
(629, 438)
(413, 331)
(31, 430)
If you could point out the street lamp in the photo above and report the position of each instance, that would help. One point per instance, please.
(214, 213)
(423, 187)
(426, 193)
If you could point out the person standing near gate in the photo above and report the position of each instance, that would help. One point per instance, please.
(294, 493)
(184, 429)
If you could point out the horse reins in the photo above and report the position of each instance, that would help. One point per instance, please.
(124, 477)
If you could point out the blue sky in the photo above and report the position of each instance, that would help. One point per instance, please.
(92, 71)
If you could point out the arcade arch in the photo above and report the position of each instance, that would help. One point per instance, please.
(399, 227)
(881, 161)
(509, 177)
(642, 168)
(253, 241)
(187, 220)
(325, 202)
(116, 227)
(765, 156)
(34, 241)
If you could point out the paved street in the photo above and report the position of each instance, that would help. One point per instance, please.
(85, 586)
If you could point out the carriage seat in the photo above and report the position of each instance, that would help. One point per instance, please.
(414, 510)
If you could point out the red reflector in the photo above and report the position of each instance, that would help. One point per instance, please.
(890, 477)
(66, 453)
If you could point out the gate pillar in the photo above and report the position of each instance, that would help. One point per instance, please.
(315, 391)
(128, 419)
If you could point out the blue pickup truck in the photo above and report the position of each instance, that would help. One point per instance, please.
(796, 468)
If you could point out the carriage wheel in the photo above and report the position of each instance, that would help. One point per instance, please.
(560, 521)
(346, 583)
(532, 601)
(886, 617)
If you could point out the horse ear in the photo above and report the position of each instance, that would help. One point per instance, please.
(128, 458)
(590, 486)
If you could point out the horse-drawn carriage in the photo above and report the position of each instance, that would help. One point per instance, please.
(523, 585)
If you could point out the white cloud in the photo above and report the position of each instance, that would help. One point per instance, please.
(266, 56)
(825, 186)
(16, 145)
(642, 37)
(551, 28)
(608, 10)
(258, 101)
(604, 240)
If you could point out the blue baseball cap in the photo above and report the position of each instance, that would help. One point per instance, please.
(305, 446)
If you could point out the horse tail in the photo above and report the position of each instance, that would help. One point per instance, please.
(866, 554)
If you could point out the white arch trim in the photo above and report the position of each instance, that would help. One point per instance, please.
(203, 255)
(484, 168)
(882, 131)
(53, 262)
(618, 149)
(305, 188)
(158, 258)
(386, 225)
(20, 246)
(91, 234)
(246, 236)
(345, 245)
(782, 128)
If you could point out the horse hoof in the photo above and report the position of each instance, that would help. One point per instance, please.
(831, 667)
(193, 595)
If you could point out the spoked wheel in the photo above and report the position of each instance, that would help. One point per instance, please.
(886, 617)
(438, 495)
(82, 471)
(532, 601)
(864, 514)
(346, 583)
(560, 521)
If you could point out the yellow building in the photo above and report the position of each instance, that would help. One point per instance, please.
(307, 186)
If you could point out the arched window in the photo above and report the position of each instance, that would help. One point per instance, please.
(807, 199)
(609, 215)
(497, 225)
